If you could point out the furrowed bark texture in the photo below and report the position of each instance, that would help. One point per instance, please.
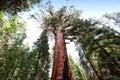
(61, 68)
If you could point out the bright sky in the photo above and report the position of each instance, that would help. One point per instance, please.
(90, 8)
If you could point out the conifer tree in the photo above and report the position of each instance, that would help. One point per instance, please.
(42, 63)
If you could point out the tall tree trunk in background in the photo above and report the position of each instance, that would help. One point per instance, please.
(92, 66)
(108, 55)
(61, 68)
(98, 76)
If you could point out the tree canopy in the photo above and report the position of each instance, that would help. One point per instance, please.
(98, 44)
(14, 6)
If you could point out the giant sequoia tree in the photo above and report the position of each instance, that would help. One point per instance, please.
(64, 26)
(58, 22)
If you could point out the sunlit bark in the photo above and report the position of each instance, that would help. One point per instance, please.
(61, 68)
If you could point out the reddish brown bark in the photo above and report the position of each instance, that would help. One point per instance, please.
(61, 68)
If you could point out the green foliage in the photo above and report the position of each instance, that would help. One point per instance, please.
(62, 18)
(17, 62)
(99, 58)
(42, 58)
(77, 71)
(14, 6)
(100, 45)
(11, 47)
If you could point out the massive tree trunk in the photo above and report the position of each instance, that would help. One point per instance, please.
(61, 68)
